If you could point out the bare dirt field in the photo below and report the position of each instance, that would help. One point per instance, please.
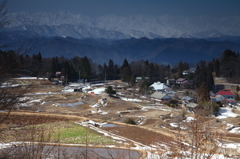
(46, 103)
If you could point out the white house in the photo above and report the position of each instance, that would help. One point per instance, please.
(159, 87)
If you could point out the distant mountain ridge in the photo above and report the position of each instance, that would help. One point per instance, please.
(166, 50)
(65, 24)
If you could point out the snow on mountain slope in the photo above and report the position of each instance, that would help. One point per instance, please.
(63, 23)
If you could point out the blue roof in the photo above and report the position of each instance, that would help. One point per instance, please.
(186, 98)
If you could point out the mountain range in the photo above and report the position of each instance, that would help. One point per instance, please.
(162, 39)
(65, 24)
(166, 50)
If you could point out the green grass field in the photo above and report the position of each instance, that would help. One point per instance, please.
(62, 132)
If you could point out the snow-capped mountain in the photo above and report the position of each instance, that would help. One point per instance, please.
(66, 24)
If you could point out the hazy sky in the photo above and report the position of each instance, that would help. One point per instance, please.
(95, 8)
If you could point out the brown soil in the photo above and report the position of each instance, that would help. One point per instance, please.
(151, 113)
(25, 118)
(139, 134)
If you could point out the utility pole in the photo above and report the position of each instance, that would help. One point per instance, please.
(66, 79)
(79, 75)
(105, 78)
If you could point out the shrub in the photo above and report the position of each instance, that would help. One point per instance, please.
(109, 90)
(130, 121)
(173, 103)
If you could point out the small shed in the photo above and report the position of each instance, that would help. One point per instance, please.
(191, 106)
(139, 79)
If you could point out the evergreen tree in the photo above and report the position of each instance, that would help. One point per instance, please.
(55, 66)
(180, 70)
(116, 72)
(100, 72)
(85, 68)
(217, 68)
(125, 71)
(203, 93)
(209, 79)
(109, 90)
(110, 70)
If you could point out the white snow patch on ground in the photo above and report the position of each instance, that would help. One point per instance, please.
(156, 107)
(225, 113)
(67, 89)
(235, 130)
(130, 99)
(119, 93)
(31, 78)
(229, 126)
(95, 105)
(174, 124)
(189, 119)
(98, 90)
(6, 85)
(35, 101)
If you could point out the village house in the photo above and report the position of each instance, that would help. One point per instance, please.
(170, 82)
(191, 106)
(159, 97)
(180, 81)
(159, 87)
(216, 98)
(227, 95)
(185, 72)
(139, 79)
(187, 99)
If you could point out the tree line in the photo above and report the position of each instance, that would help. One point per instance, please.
(84, 68)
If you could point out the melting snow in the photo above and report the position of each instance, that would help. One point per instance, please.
(226, 112)
(130, 99)
(98, 90)
(189, 119)
(235, 130)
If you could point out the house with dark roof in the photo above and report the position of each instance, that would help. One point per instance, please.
(180, 80)
(187, 99)
(170, 82)
(191, 70)
(159, 97)
(184, 82)
(139, 79)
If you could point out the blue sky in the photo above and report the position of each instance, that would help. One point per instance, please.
(96, 8)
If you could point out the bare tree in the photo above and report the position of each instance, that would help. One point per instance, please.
(9, 60)
(5, 19)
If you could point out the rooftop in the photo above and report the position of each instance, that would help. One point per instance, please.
(225, 92)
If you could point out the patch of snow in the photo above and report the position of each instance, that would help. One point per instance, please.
(189, 119)
(103, 113)
(8, 85)
(35, 101)
(43, 103)
(98, 90)
(68, 90)
(225, 113)
(119, 93)
(95, 105)
(235, 130)
(174, 124)
(229, 126)
(131, 99)
(31, 78)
